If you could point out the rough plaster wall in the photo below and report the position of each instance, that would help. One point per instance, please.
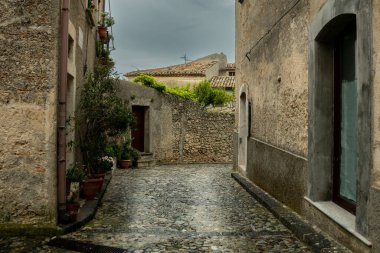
(84, 54)
(376, 92)
(279, 113)
(374, 213)
(181, 81)
(214, 70)
(315, 7)
(28, 74)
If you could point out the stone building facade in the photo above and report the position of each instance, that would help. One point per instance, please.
(30, 65)
(307, 110)
(179, 130)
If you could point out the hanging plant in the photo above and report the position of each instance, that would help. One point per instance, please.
(105, 21)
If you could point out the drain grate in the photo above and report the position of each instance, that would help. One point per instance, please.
(83, 247)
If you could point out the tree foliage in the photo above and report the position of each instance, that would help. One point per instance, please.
(101, 114)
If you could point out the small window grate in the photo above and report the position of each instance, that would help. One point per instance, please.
(82, 246)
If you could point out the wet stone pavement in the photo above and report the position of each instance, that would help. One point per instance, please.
(183, 208)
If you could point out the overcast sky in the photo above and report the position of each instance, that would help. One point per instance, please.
(156, 33)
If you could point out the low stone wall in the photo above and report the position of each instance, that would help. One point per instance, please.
(205, 135)
(182, 131)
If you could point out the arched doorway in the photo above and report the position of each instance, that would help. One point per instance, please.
(243, 128)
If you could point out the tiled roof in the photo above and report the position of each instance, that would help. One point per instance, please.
(222, 81)
(230, 66)
(195, 68)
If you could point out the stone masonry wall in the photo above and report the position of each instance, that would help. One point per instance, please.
(203, 135)
(28, 81)
(181, 130)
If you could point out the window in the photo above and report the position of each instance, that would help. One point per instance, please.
(340, 102)
(231, 73)
(345, 158)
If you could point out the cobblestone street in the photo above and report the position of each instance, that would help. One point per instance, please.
(186, 208)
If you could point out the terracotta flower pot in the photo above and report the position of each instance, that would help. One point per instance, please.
(103, 34)
(72, 210)
(73, 207)
(90, 188)
(124, 164)
(99, 175)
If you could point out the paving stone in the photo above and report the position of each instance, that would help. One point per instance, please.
(182, 208)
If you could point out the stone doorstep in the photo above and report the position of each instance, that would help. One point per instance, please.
(146, 160)
(88, 210)
(304, 231)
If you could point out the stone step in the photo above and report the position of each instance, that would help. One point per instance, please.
(146, 160)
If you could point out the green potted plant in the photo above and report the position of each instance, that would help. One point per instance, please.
(124, 154)
(72, 205)
(102, 115)
(105, 21)
(74, 174)
(135, 155)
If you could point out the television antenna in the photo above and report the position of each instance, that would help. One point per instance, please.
(185, 58)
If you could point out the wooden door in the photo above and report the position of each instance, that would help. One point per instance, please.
(138, 131)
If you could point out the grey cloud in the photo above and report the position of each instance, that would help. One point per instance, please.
(154, 33)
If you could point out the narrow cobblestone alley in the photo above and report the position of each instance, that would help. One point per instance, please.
(184, 208)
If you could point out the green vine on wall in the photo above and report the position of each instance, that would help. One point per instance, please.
(202, 93)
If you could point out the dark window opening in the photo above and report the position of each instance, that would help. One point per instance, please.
(249, 119)
(345, 158)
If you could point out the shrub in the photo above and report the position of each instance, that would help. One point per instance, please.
(101, 114)
(207, 95)
(202, 93)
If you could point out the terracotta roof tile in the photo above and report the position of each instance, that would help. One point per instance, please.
(230, 66)
(195, 68)
(223, 82)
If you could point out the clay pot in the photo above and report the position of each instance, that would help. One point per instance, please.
(124, 164)
(103, 34)
(72, 210)
(99, 175)
(90, 188)
(72, 207)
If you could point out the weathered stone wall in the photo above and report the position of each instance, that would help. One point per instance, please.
(28, 81)
(80, 64)
(204, 136)
(272, 60)
(374, 220)
(29, 61)
(180, 81)
(277, 48)
(181, 130)
(273, 50)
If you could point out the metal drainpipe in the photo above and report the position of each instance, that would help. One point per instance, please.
(62, 90)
